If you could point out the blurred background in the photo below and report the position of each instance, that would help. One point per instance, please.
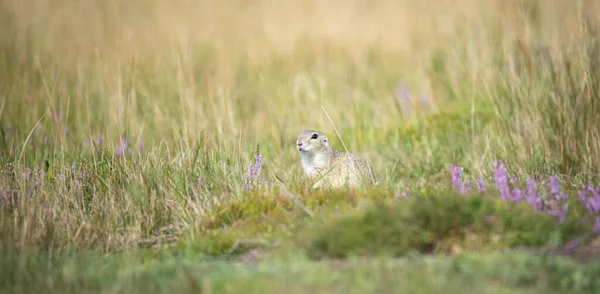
(233, 72)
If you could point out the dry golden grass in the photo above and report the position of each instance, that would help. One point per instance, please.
(235, 68)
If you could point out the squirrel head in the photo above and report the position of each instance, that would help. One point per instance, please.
(310, 141)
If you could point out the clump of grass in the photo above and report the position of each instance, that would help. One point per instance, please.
(422, 149)
(436, 222)
(126, 197)
(548, 103)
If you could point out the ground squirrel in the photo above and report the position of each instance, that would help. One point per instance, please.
(330, 167)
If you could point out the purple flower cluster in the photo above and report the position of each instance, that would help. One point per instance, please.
(501, 178)
(27, 183)
(590, 198)
(77, 178)
(457, 172)
(532, 194)
(554, 202)
(557, 202)
(252, 178)
(33, 178)
(480, 185)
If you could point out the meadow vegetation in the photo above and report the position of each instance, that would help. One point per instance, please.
(148, 146)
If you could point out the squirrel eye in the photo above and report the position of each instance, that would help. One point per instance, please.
(314, 136)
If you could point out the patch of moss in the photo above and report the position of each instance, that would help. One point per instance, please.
(269, 218)
(249, 206)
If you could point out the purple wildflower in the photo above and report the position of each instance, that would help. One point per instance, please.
(590, 197)
(84, 174)
(557, 204)
(61, 176)
(597, 225)
(594, 200)
(594, 204)
(457, 172)
(467, 186)
(122, 146)
(562, 196)
(533, 197)
(252, 178)
(456, 176)
(517, 195)
(572, 244)
(481, 185)
(501, 178)
(559, 211)
(554, 185)
(256, 168)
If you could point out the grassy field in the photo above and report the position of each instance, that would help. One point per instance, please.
(128, 130)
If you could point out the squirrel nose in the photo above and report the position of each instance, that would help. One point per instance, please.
(299, 144)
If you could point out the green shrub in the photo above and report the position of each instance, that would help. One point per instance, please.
(435, 223)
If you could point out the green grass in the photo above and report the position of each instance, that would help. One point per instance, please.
(193, 90)
(438, 223)
(183, 271)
